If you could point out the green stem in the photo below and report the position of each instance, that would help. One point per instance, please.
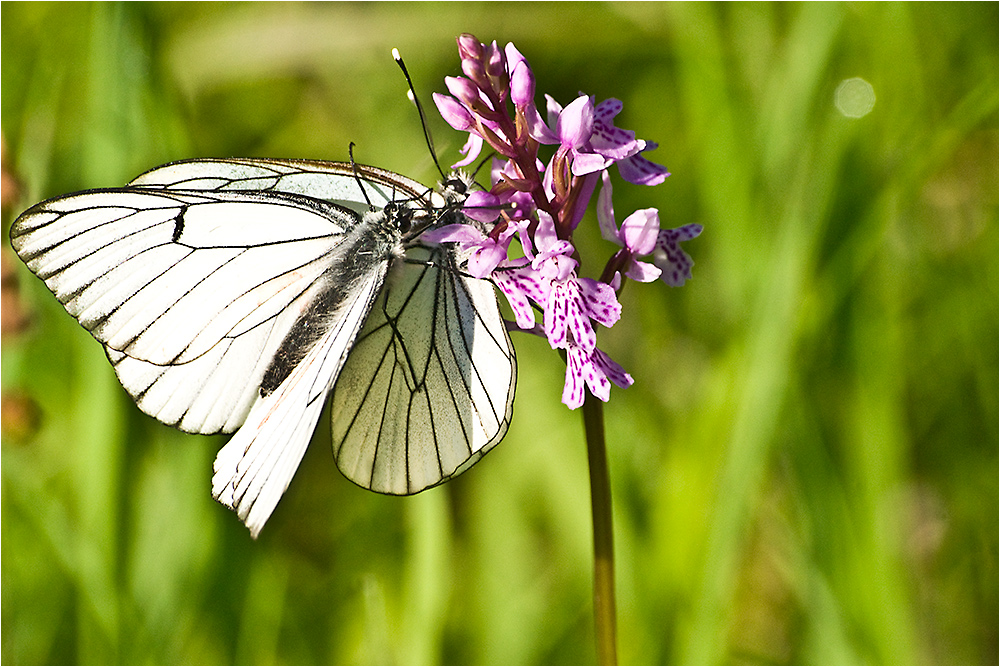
(604, 550)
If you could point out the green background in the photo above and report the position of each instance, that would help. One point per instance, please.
(805, 470)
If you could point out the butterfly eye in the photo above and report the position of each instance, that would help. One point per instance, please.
(456, 185)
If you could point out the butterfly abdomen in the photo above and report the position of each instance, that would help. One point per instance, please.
(373, 242)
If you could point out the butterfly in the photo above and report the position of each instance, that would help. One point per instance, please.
(239, 294)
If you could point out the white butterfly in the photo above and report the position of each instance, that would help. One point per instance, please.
(236, 294)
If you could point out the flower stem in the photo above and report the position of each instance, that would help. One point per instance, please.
(604, 551)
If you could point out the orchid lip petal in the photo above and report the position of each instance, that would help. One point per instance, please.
(668, 255)
(640, 171)
(608, 109)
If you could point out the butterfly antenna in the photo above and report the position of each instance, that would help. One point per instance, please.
(482, 164)
(357, 176)
(412, 94)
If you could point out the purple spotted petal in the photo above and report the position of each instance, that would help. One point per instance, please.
(593, 369)
(637, 169)
(521, 286)
(557, 314)
(606, 111)
(687, 232)
(610, 141)
(670, 258)
(574, 386)
(596, 379)
(600, 302)
(570, 307)
(579, 322)
(612, 370)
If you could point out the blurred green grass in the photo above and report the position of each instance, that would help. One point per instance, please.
(804, 472)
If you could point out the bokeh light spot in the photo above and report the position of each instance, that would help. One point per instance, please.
(855, 97)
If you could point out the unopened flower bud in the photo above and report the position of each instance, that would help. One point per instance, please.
(454, 113)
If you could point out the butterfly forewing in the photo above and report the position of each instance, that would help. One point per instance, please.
(198, 288)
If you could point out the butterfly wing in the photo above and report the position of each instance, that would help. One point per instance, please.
(428, 388)
(186, 290)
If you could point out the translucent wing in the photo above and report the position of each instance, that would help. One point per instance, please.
(428, 388)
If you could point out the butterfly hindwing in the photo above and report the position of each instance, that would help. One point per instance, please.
(255, 467)
(335, 182)
(429, 385)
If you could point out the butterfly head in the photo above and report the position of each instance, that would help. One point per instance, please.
(401, 214)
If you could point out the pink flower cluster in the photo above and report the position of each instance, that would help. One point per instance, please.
(543, 203)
